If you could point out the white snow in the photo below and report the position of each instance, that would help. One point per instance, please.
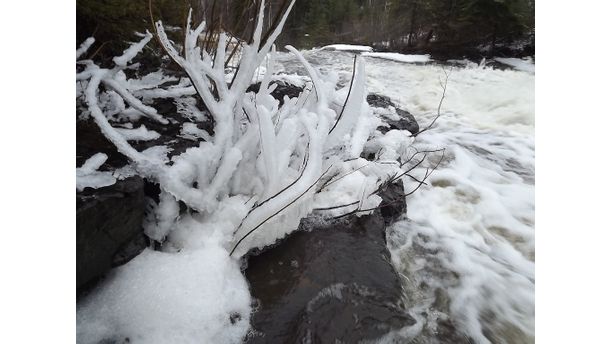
(348, 47)
(139, 134)
(518, 64)
(192, 132)
(84, 47)
(89, 176)
(399, 57)
(193, 296)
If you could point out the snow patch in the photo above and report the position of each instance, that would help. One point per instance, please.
(139, 134)
(518, 64)
(348, 47)
(399, 57)
(89, 176)
(186, 297)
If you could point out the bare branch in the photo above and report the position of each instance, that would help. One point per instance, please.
(447, 74)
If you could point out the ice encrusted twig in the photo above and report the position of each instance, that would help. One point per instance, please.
(89, 176)
(84, 47)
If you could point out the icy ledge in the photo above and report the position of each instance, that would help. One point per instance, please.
(399, 57)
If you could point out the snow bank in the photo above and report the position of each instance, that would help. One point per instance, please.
(186, 297)
(348, 47)
(518, 64)
(399, 57)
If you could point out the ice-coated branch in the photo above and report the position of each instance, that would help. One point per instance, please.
(132, 51)
(318, 88)
(84, 47)
(89, 176)
(107, 129)
(133, 101)
(352, 107)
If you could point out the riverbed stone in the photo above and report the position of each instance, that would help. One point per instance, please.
(406, 121)
(108, 228)
(330, 281)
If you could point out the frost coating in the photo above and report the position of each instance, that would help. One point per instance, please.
(139, 134)
(89, 176)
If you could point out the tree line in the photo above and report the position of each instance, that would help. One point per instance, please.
(396, 25)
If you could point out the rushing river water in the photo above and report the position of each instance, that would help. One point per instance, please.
(466, 250)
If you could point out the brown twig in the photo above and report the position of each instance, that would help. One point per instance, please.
(447, 74)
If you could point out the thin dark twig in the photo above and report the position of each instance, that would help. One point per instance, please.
(347, 96)
(385, 184)
(98, 50)
(421, 182)
(336, 206)
(276, 213)
(304, 164)
(330, 182)
(418, 152)
(447, 74)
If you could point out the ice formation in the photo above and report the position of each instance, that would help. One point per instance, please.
(265, 167)
(89, 176)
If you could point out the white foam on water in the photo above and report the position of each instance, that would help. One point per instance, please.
(468, 249)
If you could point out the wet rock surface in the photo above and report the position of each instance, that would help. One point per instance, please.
(406, 121)
(329, 281)
(109, 228)
(90, 139)
(282, 89)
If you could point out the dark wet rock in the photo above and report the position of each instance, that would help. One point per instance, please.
(329, 281)
(109, 227)
(282, 89)
(131, 249)
(406, 121)
(90, 139)
(377, 100)
(394, 203)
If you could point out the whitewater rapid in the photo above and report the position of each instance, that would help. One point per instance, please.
(466, 249)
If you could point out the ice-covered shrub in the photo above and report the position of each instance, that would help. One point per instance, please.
(274, 157)
(264, 168)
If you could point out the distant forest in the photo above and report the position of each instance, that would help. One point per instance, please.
(466, 27)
